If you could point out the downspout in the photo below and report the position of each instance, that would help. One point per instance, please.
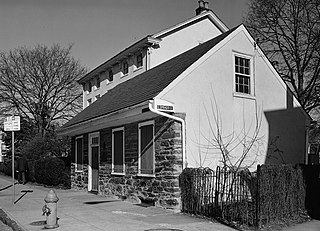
(183, 129)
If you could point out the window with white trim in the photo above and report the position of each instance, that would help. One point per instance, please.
(243, 77)
(146, 148)
(118, 158)
(110, 75)
(79, 153)
(125, 67)
(139, 60)
(98, 82)
(89, 87)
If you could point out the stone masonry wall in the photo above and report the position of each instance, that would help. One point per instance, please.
(163, 189)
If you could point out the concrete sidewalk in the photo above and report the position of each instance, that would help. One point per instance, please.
(84, 211)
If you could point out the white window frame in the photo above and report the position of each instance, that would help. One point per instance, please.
(98, 78)
(151, 122)
(108, 77)
(123, 148)
(89, 87)
(251, 75)
(136, 61)
(122, 67)
(76, 154)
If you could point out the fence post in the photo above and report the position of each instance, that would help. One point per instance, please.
(258, 197)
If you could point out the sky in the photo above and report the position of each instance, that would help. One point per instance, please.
(99, 29)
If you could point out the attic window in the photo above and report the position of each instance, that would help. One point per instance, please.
(242, 75)
(98, 82)
(125, 67)
(89, 86)
(110, 75)
(139, 60)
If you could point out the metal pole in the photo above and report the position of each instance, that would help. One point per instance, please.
(13, 189)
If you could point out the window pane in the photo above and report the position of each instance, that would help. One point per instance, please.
(110, 76)
(125, 67)
(79, 154)
(98, 82)
(95, 140)
(118, 151)
(146, 147)
(242, 69)
(139, 60)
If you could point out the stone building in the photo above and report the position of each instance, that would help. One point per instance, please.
(154, 109)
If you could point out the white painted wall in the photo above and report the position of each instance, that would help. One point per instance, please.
(213, 81)
(171, 45)
(183, 40)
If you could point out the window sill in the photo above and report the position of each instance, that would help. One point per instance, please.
(137, 69)
(117, 173)
(111, 82)
(146, 175)
(79, 171)
(123, 76)
(242, 95)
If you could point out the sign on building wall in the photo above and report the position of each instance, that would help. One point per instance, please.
(163, 105)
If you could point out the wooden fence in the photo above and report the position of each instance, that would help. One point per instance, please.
(251, 198)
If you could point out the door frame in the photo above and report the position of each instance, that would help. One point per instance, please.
(92, 135)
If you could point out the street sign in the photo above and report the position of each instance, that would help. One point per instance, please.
(12, 123)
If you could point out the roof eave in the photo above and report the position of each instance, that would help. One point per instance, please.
(212, 17)
(145, 42)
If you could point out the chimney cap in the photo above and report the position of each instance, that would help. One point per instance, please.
(203, 7)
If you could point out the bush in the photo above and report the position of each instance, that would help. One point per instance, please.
(51, 171)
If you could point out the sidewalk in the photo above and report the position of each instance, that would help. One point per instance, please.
(82, 211)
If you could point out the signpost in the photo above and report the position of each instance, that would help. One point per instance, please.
(12, 124)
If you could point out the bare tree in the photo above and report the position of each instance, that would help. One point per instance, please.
(39, 83)
(288, 31)
(235, 147)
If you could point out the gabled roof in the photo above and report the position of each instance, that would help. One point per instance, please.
(146, 85)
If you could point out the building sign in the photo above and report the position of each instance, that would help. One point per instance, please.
(163, 105)
(12, 123)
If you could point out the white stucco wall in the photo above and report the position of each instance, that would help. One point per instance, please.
(183, 40)
(208, 91)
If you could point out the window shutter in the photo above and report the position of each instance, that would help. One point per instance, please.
(85, 149)
(73, 159)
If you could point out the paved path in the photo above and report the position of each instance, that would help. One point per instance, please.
(84, 211)
(313, 225)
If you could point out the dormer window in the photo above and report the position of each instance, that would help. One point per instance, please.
(125, 67)
(139, 60)
(110, 75)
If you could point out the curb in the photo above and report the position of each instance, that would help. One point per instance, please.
(4, 217)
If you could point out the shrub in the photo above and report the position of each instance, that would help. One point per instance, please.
(51, 171)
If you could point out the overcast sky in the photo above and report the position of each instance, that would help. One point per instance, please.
(99, 28)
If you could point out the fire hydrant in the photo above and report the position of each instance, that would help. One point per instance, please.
(50, 210)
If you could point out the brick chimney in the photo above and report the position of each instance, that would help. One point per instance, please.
(203, 7)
